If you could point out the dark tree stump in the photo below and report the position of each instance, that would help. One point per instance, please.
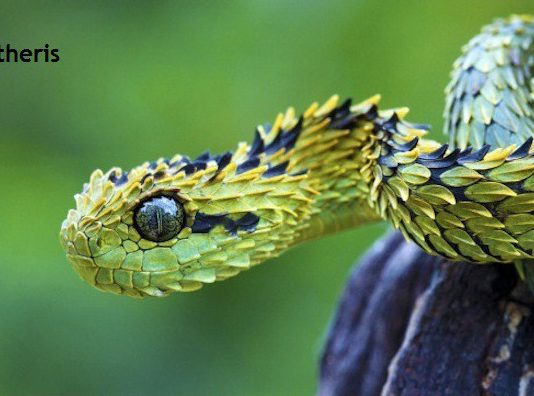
(412, 324)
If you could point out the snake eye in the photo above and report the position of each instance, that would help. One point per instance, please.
(159, 219)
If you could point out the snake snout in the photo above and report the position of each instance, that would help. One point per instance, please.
(113, 258)
(105, 247)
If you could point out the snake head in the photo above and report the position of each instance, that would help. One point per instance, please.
(174, 225)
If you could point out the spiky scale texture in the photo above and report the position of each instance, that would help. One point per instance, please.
(490, 102)
(334, 167)
(489, 98)
(462, 205)
(300, 179)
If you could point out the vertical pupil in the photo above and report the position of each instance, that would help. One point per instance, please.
(159, 219)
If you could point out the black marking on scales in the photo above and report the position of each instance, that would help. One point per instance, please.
(249, 164)
(436, 154)
(118, 181)
(300, 172)
(474, 156)
(204, 157)
(223, 160)
(342, 118)
(189, 169)
(444, 162)
(522, 151)
(204, 223)
(408, 146)
(159, 175)
(284, 139)
(277, 170)
(258, 145)
(390, 125)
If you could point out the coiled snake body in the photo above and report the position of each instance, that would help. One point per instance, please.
(176, 224)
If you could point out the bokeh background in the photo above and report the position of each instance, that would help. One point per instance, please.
(139, 80)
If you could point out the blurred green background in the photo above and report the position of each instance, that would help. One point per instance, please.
(139, 80)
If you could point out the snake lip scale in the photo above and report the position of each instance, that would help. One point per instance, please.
(176, 224)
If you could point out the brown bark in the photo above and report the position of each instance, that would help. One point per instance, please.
(412, 324)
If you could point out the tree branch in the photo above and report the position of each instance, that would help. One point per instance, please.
(412, 324)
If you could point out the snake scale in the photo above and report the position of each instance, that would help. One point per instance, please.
(176, 224)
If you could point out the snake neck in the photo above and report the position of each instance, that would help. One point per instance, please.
(463, 205)
(470, 205)
(489, 98)
(338, 150)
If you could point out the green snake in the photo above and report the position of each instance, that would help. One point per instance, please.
(176, 224)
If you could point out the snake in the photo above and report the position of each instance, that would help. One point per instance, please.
(176, 224)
